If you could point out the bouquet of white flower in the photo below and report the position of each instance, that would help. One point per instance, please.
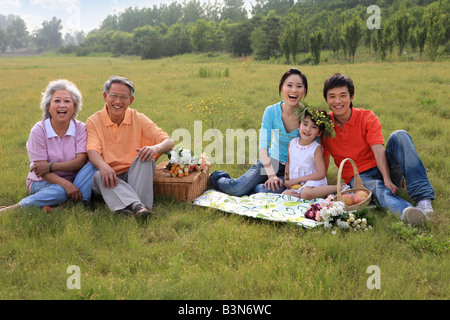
(183, 162)
(333, 215)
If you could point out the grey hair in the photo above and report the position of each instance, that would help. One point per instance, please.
(56, 85)
(121, 80)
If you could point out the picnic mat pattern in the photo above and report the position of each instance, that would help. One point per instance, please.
(267, 206)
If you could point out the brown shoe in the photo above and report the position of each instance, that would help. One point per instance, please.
(125, 212)
(142, 211)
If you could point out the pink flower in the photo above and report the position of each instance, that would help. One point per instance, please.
(317, 218)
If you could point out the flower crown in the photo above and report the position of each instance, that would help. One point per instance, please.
(320, 119)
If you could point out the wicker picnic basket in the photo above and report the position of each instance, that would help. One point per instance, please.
(186, 188)
(358, 185)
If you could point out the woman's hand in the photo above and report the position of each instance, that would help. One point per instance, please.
(40, 168)
(273, 183)
(72, 191)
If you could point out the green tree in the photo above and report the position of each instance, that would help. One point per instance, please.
(291, 37)
(234, 10)
(171, 14)
(435, 22)
(259, 42)
(131, 19)
(192, 11)
(49, 36)
(4, 43)
(315, 45)
(264, 38)
(334, 34)
(237, 38)
(265, 6)
(352, 33)
(147, 42)
(402, 24)
(272, 27)
(17, 33)
(178, 40)
(421, 36)
(122, 42)
(383, 40)
(202, 35)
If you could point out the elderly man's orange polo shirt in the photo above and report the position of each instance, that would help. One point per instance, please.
(117, 144)
(354, 141)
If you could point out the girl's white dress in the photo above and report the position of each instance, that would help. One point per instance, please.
(302, 163)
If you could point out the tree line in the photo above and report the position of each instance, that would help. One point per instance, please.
(272, 29)
(14, 35)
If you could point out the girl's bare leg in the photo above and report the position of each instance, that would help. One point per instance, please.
(309, 193)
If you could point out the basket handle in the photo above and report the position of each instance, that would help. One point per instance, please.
(358, 182)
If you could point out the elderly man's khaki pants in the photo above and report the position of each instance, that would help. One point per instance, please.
(135, 186)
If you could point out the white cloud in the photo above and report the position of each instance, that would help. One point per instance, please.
(10, 4)
(56, 5)
(33, 22)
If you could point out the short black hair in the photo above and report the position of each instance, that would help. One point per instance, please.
(292, 71)
(338, 80)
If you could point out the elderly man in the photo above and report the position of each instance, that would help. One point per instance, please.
(122, 144)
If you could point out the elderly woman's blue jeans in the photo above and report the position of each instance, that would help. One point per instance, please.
(250, 182)
(44, 193)
(403, 162)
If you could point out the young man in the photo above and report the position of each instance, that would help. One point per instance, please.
(122, 144)
(359, 137)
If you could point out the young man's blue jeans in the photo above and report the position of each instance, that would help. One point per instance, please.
(44, 193)
(403, 162)
(250, 182)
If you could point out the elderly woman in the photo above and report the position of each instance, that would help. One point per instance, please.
(57, 151)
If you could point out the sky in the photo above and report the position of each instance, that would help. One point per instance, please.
(76, 15)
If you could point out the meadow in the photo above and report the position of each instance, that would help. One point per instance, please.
(190, 252)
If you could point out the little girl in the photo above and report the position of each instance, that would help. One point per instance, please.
(305, 175)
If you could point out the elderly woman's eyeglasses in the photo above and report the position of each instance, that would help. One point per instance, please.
(114, 96)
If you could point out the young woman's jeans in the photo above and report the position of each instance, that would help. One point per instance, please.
(403, 162)
(250, 182)
(44, 193)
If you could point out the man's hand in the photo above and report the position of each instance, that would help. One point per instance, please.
(109, 177)
(146, 153)
(391, 187)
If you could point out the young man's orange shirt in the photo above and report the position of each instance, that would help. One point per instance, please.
(354, 141)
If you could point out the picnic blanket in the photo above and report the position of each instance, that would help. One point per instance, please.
(267, 206)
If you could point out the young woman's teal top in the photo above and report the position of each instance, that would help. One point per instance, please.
(273, 135)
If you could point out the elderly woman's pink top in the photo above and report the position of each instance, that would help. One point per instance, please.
(45, 145)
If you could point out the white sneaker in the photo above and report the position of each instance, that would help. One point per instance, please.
(344, 187)
(414, 216)
(425, 206)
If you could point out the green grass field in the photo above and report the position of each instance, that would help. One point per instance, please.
(190, 252)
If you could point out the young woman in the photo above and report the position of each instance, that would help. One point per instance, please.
(279, 127)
